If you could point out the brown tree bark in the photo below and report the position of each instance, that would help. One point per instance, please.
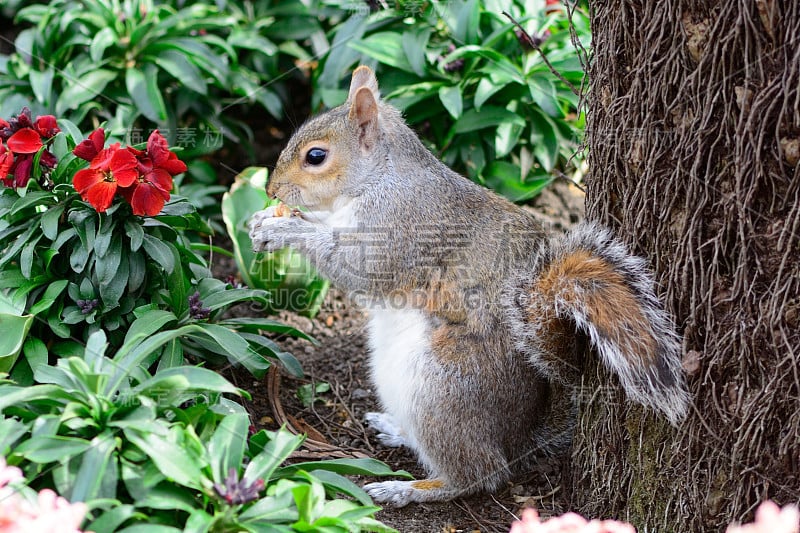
(694, 139)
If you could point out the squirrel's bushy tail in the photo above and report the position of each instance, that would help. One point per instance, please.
(586, 282)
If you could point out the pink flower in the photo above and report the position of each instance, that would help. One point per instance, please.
(8, 473)
(567, 523)
(771, 519)
(50, 514)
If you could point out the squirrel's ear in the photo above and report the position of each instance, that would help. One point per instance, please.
(363, 77)
(364, 112)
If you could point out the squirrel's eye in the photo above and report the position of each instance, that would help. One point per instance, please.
(316, 156)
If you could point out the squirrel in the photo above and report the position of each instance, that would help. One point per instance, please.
(478, 320)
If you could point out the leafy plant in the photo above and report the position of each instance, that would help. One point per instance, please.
(308, 393)
(179, 65)
(168, 448)
(114, 252)
(487, 102)
(289, 278)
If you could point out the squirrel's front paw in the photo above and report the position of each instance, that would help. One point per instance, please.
(269, 232)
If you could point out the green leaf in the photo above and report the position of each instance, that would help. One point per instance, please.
(386, 47)
(168, 497)
(11, 431)
(414, 44)
(487, 117)
(544, 140)
(255, 325)
(108, 257)
(227, 445)
(132, 354)
(506, 138)
(355, 467)
(338, 483)
(451, 99)
(98, 473)
(15, 330)
(88, 87)
(177, 65)
(50, 219)
(485, 89)
(159, 252)
(543, 93)
(267, 512)
(112, 291)
(137, 271)
(49, 297)
(279, 447)
(227, 341)
(20, 395)
(144, 91)
(185, 378)
(135, 233)
(169, 457)
(227, 297)
(112, 519)
(42, 84)
(246, 196)
(35, 352)
(504, 177)
(147, 324)
(50, 449)
(150, 528)
(102, 40)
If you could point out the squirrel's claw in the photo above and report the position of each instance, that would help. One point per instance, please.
(269, 232)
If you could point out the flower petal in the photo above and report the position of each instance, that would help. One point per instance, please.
(47, 126)
(147, 200)
(25, 141)
(173, 165)
(6, 161)
(100, 195)
(22, 170)
(123, 166)
(85, 178)
(157, 148)
(160, 179)
(88, 149)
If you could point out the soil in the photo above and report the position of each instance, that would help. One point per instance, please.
(340, 359)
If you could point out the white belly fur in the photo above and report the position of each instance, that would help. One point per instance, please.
(399, 345)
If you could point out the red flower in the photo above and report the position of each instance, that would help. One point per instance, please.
(89, 148)
(25, 141)
(158, 150)
(109, 169)
(6, 161)
(150, 193)
(46, 126)
(22, 170)
(25, 137)
(157, 165)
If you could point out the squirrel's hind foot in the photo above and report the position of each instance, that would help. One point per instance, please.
(401, 493)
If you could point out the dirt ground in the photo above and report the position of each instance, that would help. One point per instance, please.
(340, 360)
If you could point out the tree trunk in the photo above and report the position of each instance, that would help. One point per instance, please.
(694, 138)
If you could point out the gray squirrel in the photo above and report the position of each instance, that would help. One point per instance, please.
(478, 321)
